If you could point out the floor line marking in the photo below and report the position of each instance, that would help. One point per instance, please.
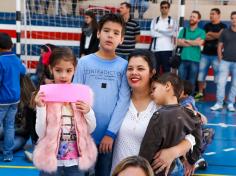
(229, 149)
(221, 125)
(17, 167)
(210, 153)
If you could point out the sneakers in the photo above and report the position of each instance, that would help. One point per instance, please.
(230, 107)
(216, 107)
(28, 156)
(198, 96)
(7, 158)
(201, 164)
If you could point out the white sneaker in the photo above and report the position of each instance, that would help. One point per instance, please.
(216, 107)
(28, 156)
(230, 107)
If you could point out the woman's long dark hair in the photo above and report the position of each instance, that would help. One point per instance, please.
(94, 23)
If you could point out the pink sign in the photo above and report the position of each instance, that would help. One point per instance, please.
(66, 92)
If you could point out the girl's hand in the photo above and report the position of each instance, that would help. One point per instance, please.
(39, 99)
(82, 107)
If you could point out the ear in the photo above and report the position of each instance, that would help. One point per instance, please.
(153, 72)
(122, 39)
(168, 86)
(98, 34)
(50, 69)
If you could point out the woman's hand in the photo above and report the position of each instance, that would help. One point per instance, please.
(188, 168)
(82, 107)
(163, 159)
(39, 99)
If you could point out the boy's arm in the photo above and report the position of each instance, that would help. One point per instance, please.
(79, 73)
(40, 126)
(22, 68)
(118, 115)
(120, 110)
(152, 140)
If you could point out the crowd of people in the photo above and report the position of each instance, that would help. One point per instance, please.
(143, 119)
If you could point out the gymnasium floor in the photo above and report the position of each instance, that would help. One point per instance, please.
(220, 155)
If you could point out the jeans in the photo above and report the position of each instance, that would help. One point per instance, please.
(7, 118)
(188, 70)
(178, 169)
(64, 171)
(205, 63)
(141, 5)
(225, 68)
(103, 164)
(19, 143)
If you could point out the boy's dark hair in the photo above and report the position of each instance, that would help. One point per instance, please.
(233, 13)
(147, 55)
(5, 41)
(188, 87)
(217, 10)
(110, 17)
(173, 79)
(198, 14)
(165, 3)
(62, 53)
(128, 5)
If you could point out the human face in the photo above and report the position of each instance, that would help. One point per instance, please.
(164, 9)
(123, 10)
(233, 20)
(159, 93)
(63, 72)
(194, 19)
(87, 19)
(110, 36)
(138, 73)
(214, 17)
(132, 171)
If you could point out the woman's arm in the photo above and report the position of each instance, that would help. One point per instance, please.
(164, 158)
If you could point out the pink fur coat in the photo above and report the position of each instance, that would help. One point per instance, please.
(45, 153)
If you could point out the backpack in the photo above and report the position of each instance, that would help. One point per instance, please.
(153, 40)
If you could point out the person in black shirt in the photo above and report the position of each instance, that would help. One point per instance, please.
(209, 54)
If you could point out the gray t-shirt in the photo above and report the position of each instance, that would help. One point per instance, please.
(228, 38)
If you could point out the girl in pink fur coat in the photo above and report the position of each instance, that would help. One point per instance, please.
(64, 145)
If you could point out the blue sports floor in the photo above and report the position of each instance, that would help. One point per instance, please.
(220, 155)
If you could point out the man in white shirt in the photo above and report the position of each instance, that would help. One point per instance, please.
(163, 29)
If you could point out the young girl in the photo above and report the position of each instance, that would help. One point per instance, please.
(89, 41)
(64, 144)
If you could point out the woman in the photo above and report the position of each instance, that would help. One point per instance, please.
(133, 165)
(89, 41)
(139, 73)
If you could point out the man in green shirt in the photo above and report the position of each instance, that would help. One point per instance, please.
(191, 42)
